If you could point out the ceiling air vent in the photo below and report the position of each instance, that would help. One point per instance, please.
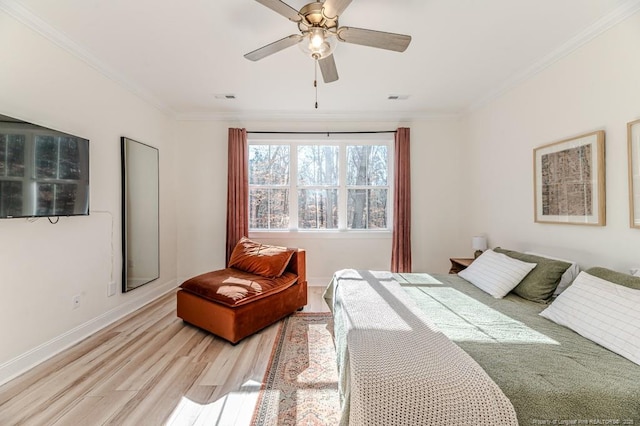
(397, 97)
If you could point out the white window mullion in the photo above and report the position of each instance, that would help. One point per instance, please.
(367, 207)
(342, 188)
(390, 184)
(269, 190)
(293, 185)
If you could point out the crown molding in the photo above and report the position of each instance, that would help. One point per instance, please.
(619, 14)
(29, 19)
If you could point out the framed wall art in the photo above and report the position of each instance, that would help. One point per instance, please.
(633, 137)
(569, 181)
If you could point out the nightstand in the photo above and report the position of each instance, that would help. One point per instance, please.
(459, 263)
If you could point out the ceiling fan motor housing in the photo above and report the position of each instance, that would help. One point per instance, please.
(314, 16)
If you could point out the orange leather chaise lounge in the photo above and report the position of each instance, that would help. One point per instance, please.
(261, 285)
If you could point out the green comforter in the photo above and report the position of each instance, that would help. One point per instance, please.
(551, 374)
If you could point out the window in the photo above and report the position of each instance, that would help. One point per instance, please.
(367, 187)
(318, 185)
(269, 186)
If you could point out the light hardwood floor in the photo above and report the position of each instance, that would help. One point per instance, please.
(148, 368)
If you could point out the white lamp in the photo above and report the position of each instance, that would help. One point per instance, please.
(479, 244)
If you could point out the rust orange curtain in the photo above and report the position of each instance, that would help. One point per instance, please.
(237, 189)
(401, 240)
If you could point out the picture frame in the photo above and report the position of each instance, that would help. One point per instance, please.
(633, 148)
(569, 181)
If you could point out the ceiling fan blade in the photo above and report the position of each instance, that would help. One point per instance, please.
(328, 69)
(371, 38)
(334, 8)
(274, 47)
(282, 8)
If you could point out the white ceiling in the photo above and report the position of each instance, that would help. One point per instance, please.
(180, 54)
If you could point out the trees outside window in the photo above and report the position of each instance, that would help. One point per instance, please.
(367, 189)
(318, 186)
(269, 186)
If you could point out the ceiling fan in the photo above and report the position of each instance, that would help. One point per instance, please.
(319, 34)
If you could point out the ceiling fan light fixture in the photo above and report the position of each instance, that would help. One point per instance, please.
(318, 43)
(317, 38)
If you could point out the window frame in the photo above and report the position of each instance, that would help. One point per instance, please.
(270, 187)
(333, 139)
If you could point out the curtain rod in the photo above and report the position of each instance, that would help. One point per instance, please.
(318, 133)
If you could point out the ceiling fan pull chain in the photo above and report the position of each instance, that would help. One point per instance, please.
(315, 80)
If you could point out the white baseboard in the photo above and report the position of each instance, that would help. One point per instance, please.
(20, 364)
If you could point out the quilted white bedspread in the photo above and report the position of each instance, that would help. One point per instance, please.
(397, 368)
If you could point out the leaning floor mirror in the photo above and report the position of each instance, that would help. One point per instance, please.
(140, 214)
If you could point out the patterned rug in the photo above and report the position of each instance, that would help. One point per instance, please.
(300, 386)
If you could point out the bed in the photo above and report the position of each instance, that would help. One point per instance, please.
(395, 367)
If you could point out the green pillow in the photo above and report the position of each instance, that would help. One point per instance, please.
(541, 282)
(615, 277)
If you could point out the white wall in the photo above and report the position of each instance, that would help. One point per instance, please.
(42, 266)
(436, 177)
(201, 196)
(596, 87)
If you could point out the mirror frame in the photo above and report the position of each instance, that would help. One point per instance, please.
(131, 209)
(633, 152)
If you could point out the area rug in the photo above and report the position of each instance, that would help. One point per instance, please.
(300, 386)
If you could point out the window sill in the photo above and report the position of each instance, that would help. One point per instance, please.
(324, 234)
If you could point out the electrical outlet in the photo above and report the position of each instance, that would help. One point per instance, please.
(111, 289)
(76, 301)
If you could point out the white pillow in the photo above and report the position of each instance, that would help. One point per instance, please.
(496, 273)
(567, 277)
(601, 311)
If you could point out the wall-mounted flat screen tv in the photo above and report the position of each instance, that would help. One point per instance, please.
(43, 172)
